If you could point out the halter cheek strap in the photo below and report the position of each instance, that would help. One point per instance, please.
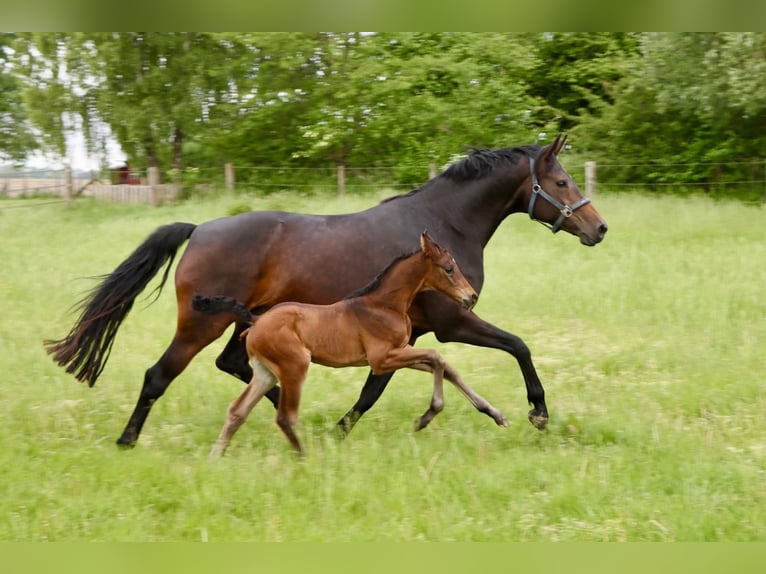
(565, 211)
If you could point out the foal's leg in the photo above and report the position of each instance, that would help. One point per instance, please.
(371, 391)
(482, 405)
(240, 408)
(424, 360)
(437, 401)
(191, 337)
(292, 375)
(234, 361)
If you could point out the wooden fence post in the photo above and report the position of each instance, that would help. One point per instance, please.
(341, 180)
(229, 171)
(590, 178)
(153, 175)
(68, 185)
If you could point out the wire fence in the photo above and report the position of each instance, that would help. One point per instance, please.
(743, 180)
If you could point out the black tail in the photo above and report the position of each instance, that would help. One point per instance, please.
(222, 304)
(85, 350)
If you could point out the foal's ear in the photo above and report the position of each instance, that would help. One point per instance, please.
(428, 245)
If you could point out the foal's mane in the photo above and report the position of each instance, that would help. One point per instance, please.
(372, 285)
(479, 163)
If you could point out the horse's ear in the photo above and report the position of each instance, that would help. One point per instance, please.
(552, 149)
(558, 143)
(428, 245)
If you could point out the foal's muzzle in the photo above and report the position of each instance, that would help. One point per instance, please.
(469, 301)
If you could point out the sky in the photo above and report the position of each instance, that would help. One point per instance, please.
(78, 157)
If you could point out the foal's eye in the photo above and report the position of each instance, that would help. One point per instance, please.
(561, 183)
(449, 269)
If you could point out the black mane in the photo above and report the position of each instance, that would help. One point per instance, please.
(479, 163)
(372, 285)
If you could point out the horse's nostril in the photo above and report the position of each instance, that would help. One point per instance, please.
(602, 229)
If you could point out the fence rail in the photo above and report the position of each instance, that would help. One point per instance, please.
(124, 193)
(344, 179)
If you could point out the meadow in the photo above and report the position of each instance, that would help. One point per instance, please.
(650, 347)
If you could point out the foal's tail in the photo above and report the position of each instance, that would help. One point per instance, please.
(85, 350)
(222, 304)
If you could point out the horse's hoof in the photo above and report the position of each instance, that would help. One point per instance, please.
(540, 421)
(502, 422)
(124, 443)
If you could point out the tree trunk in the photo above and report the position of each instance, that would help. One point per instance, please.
(178, 140)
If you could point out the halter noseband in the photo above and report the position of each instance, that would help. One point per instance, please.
(565, 211)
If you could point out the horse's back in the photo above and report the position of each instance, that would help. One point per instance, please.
(265, 257)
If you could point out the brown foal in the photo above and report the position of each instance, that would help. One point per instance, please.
(369, 327)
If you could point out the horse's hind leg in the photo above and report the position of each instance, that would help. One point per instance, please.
(156, 380)
(192, 335)
(240, 408)
(234, 361)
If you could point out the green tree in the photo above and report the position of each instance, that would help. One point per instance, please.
(16, 139)
(151, 91)
(575, 71)
(694, 100)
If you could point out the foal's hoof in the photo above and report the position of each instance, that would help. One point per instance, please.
(539, 420)
(502, 421)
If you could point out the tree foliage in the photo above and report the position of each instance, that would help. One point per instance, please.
(16, 140)
(695, 101)
(318, 99)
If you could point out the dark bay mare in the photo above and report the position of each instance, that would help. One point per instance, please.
(370, 327)
(267, 257)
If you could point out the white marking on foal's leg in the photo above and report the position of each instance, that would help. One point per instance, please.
(263, 380)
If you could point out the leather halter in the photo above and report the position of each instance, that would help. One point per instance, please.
(565, 211)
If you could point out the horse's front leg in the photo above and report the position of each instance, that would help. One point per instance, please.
(469, 328)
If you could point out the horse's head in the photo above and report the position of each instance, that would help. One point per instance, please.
(556, 201)
(444, 274)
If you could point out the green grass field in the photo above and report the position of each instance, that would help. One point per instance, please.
(650, 346)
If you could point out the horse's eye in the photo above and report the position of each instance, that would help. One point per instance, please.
(561, 183)
(449, 269)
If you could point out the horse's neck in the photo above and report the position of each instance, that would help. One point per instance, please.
(400, 284)
(475, 208)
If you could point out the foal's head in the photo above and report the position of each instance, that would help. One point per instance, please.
(444, 275)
